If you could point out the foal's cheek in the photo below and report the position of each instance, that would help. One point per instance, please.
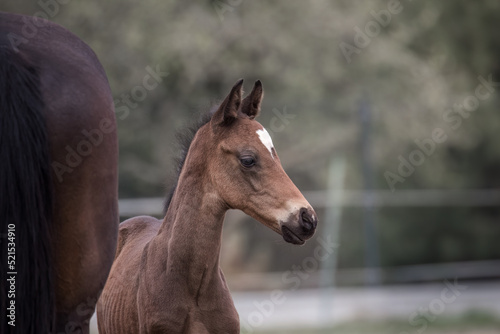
(254, 183)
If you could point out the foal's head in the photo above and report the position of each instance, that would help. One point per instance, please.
(245, 170)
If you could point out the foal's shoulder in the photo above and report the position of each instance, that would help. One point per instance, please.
(137, 228)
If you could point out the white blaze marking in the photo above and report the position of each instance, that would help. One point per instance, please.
(265, 138)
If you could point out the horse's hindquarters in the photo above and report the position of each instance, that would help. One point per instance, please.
(86, 214)
(79, 115)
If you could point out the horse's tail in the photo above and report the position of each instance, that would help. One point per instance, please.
(27, 293)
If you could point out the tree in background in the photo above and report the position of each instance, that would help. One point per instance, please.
(413, 62)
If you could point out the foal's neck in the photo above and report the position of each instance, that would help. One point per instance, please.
(189, 239)
(194, 219)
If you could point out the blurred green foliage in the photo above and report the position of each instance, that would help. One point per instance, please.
(414, 69)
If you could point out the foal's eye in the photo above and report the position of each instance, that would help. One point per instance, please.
(247, 162)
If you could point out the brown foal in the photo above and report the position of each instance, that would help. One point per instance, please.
(166, 276)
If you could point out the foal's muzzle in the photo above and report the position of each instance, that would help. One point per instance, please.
(300, 226)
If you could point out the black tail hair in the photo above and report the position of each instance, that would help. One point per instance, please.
(25, 200)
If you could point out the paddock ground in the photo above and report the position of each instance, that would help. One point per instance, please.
(438, 308)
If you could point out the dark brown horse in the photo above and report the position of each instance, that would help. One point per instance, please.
(58, 179)
(166, 276)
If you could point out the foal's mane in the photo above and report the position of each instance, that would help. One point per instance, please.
(185, 138)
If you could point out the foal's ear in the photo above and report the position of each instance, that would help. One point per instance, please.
(251, 104)
(228, 110)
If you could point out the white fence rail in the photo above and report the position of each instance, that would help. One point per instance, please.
(354, 198)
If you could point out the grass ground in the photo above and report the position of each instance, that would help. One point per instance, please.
(470, 323)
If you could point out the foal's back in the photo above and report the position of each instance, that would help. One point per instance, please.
(115, 310)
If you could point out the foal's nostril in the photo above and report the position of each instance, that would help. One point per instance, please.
(307, 226)
(308, 220)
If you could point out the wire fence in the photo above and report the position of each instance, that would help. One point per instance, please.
(474, 270)
(353, 198)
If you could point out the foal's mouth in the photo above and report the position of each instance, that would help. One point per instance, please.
(291, 237)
